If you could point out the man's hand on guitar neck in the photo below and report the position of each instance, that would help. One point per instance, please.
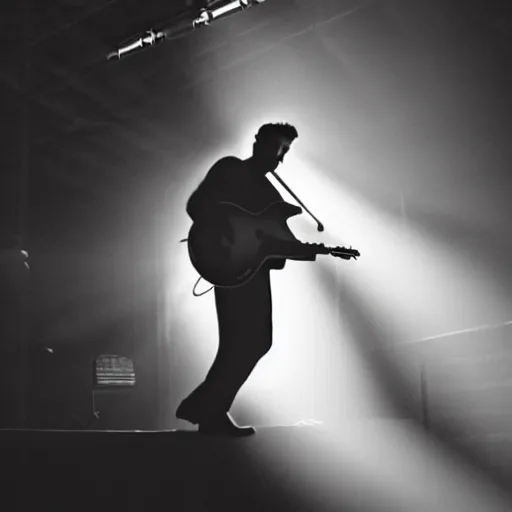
(307, 257)
(275, 264)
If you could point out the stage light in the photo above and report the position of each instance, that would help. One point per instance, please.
(214, 10)
(234, 6)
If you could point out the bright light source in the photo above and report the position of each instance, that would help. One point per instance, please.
(233, 6)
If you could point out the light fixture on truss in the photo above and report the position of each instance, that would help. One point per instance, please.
(213, 11)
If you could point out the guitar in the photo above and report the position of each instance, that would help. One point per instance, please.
(257, 237)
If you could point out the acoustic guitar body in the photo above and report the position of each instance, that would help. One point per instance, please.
(257, 237)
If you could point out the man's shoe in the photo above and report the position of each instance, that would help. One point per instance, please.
(224, 425)
(186, 412)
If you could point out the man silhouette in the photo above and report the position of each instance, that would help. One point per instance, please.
(245, 313)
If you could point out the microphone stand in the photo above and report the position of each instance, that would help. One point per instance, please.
(320, 226)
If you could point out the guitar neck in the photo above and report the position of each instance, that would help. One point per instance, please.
(338, 252)
(296, 250)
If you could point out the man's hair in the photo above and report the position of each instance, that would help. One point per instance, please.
(271, 130)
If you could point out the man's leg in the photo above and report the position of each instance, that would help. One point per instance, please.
(245, 336)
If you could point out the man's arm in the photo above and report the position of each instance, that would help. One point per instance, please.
(215, 187)
(275, 264)
(279, 263)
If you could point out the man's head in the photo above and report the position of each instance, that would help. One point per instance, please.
(272, 143)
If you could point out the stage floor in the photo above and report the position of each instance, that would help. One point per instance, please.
(363, 466)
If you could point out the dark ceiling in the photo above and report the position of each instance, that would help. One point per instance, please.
(79, 103)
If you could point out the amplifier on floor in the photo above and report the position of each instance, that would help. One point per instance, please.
(111, 372)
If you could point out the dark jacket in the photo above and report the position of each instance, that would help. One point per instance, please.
(231, 180)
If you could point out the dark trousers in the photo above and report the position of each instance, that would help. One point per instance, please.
(245, 336)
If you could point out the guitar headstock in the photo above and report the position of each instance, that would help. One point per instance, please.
(338, 252)
(344, 253)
